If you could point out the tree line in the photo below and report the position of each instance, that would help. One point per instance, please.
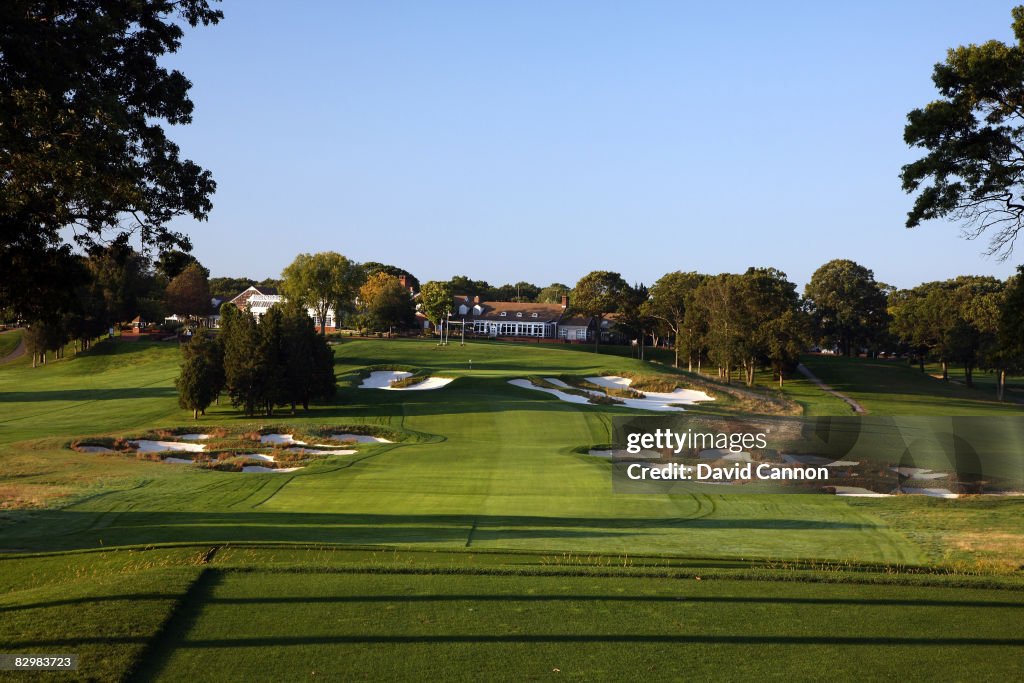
(280, 360)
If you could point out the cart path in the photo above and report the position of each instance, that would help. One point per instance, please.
(857, 408)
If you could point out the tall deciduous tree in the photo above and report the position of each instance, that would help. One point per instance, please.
(597, 294)
(189, 293)
(83, 101)
(436, 300)
(324, 281)
(974, 139)
(670, 297)
(847, 305)
(1011, 330)
(385, 303)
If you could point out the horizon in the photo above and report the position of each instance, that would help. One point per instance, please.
(519, 144)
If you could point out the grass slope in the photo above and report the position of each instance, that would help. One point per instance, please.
(886, 387)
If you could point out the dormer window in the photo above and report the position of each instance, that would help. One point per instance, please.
(533, 315)
(519, 315)
(503, 314)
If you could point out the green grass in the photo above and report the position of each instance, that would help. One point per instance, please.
(264, 613)
(9, 341)
(523, 558)
(887, 387)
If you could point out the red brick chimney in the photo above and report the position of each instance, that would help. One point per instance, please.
(565, 301)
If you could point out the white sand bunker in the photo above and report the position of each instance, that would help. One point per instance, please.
(569, 398)
(316, 451)
(360, 438)
(382, 379)
(147, 446)
(193, 437)
(261, 468)
(93, 449)
(661, 401)
(653, 400)
(257, 456)
(280, 439)
(918, 473)
(623, 454)
(724, 454)
(934, 493)
(858, 492)
(817, 461)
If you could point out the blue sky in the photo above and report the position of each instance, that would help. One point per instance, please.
(540, 140)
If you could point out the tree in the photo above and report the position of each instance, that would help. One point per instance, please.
(384, 303)
(847, 305)
(83, 100)
(974, 137)
(243, 366)
(323, 282)
(226, 288)
(552, 294)
(189, 293)
(308, 372)
(373, 267)
(202, 373)
(174, 261)
(634, 314)
(436, 300)
(1010, 335)
(670, 297)
(596, 294)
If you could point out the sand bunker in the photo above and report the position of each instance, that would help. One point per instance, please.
(93, 449)
(257, 456)
(568, 398)
(661, 401)
(622, 454)
(858, 492)
(261, 468)
(918, 473)
(193, 437)
(381, 379)
(723, 454)
(360, 438)
(934, 493)
(147, 446)
(817, 461)
(653, 400)
(280, 439)
(315, 451)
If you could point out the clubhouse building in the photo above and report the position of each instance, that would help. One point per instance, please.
(509, 319)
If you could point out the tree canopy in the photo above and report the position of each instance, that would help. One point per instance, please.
(324, 281)
(83, 100)
(973, 169)
(847, 304)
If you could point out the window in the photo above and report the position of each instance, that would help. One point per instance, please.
(519, 315)
(503, 314)
(533, 315)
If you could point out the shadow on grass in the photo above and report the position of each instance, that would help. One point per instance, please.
(66, 529)
(203, 594)
(79, 395)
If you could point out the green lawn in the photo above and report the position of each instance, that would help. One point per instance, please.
(488, 486)
(890, 387)
(9, 341)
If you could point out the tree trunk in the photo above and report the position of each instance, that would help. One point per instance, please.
(676, 363)
(920, 362)
(781, 379)
(1001, 385)
(195, 413)
(945, 371)
(969, 376)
